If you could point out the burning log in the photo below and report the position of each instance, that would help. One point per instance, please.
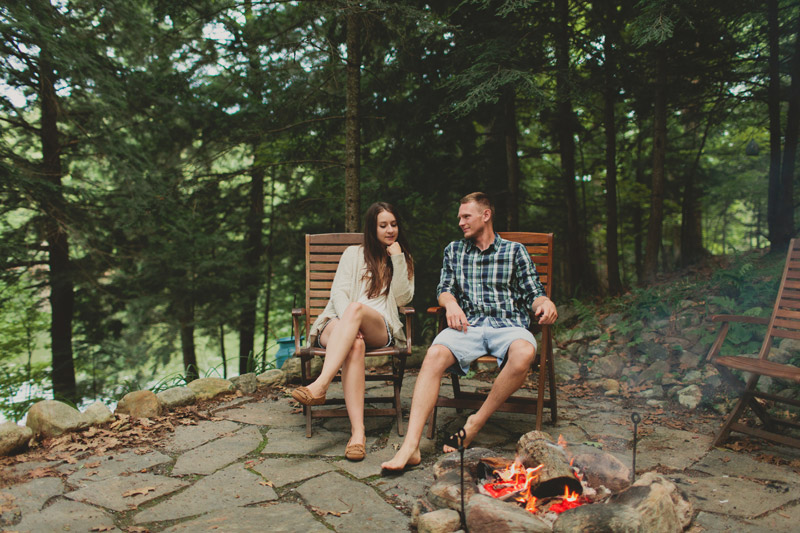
(536, 449)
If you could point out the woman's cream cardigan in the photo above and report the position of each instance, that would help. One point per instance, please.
(349, 283)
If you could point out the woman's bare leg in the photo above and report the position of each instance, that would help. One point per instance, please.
(338, 338)
(353, 371)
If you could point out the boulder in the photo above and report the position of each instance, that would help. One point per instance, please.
(565, 368)
(207, 388)
(272, 377)
(654, 372)
(653, 351)
(603, 469)
(247, 383)
(292, 368)
(13, 438)
(176, 397)
(662, 506)
(690, 396)
(608, 518)
(51, 418)
(609, 366)
(140, 404)
(97, 414)
(446, 491)
(488, 515)
(441, 521)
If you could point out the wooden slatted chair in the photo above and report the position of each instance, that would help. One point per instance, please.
(783, 323)
(323, 252)
(540, 248)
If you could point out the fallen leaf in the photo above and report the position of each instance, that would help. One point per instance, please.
(93, 464)
(136, 492)
(102, 528)
(266, 483)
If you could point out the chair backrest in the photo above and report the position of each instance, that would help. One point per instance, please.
(323, 252)
(785, 319)
(540, 247)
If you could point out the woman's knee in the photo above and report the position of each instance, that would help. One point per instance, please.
(358, 349)
(354, 310)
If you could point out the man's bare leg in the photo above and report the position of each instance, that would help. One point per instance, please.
(520, 357)
(426, 391)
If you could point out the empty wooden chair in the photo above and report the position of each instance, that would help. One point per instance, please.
(323, 252)
(783, 323)
(540, 248)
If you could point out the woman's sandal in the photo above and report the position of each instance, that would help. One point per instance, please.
(456, 440)
(304, 396)
(355, 452)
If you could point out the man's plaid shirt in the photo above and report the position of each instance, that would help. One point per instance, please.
(497, 285)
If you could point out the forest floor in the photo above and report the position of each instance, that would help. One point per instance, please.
(241, 462)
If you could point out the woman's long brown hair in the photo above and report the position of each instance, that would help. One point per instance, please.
(379, 266)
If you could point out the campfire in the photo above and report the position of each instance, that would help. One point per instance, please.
(552, 485)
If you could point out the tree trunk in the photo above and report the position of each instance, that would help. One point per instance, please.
(577, 260)
(610, 100)
(187, 342)
(352, 168)
(270, 255)
(512, 160)
(691, 215)
(222, 351)
(774, 111)
(654, 228)
(785, 215)
(62, 298)
(252, 260)
(637, 215)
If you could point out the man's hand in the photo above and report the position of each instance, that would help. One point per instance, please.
(456, 318)
(545, 310)
(394, 248)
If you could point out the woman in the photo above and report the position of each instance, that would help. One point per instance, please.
(371, 281)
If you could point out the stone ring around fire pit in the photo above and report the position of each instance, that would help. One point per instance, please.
(545, 488)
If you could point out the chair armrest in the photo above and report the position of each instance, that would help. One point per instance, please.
(436, 310)
(740, 318)
(297, 312)
(407, 311)
(726, 320)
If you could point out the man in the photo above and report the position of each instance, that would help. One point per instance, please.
(487, 287)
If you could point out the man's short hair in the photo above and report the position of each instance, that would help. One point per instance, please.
(480, 198)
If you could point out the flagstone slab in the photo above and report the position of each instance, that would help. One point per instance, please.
(20, 500)
(111, 493)
(407, 488)
(276, 518)
(721, 462)
(188, 437)
(671, 448)
(67, 515)
(282, 471)
(213, 455)
(99, 467)
(358, 506)
(267, 413)
(786, 519)
(735, 496)
(293, 440)
(230, 487)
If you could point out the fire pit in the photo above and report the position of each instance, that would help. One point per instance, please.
(546, 488)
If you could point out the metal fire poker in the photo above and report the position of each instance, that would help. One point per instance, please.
(460, 435)
(635, 418)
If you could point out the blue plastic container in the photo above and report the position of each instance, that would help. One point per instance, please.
(285, 350)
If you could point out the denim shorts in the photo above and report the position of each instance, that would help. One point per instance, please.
(388, 335)
(478, 341)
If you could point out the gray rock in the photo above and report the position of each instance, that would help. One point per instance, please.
(292, 368)
(140, 404)
(608, 518)
(603, 469)
(663, 508)
(51, 418)
(176, 397)
(124, 493)
(214, 455)
(656, 391)
(790, 345)
(597, 350)
(441, 521)
(207, 388)
(488, 515)
(612, 319)
(608, 367)
(446, 491)
(452, 461)
(13, 438)
(27, 498)
(689, 360)
(654, 372)
(779, 355)
(272, 377)
(653, 351)
(565, 368)
(690, 396)
(65, 515)
(97, 414)
(247, 383)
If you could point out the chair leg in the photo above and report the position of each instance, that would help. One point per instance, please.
(456, 389)
(305, 372)
(551, 373)
(399, 369)
(725, 431)
(540, 389)
(432, 422)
